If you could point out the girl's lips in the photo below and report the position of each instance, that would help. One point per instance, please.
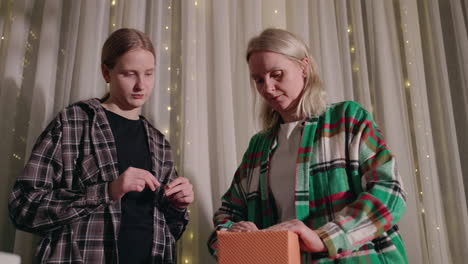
(137, 96)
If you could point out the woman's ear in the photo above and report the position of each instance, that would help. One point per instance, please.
(105, 73)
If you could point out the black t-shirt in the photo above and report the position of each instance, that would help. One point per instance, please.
(135, 237)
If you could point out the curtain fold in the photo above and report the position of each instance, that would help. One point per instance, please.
(404, 61)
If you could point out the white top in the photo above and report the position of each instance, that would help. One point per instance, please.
(9, 258)
(283, 169)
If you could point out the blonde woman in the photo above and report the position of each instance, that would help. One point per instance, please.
(321, 171)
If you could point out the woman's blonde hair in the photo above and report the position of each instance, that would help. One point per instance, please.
(313, 97)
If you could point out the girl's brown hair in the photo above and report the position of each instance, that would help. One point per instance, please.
(121, 41)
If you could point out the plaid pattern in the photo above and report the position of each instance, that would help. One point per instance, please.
(347, 188)
(62, 194)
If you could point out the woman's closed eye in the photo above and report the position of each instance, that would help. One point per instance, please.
(276, 75)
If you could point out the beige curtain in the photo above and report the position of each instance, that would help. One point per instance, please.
(404, 60)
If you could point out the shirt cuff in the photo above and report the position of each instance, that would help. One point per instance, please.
(97, 194)
(335, 239)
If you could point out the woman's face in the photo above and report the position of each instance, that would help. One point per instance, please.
(132, 79)
(279, 80)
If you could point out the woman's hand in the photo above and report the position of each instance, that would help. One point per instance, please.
(132, 180)
(180, 192)
(309, 240)
(243, 226)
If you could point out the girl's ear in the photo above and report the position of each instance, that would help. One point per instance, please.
(105, 73)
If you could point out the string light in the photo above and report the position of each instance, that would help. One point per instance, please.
(167, 27)
(166, 131)
(350, 29)
(3, 37)
(423, 211)
(113, 3)
(186, 261)
(353, 49)
(427, 156)
(169, 108)
(276, 11)
(191, 235)
(113, 24)
(355, 68)
(407, 83)
(196, 3)
(169, 7)
(169, 88)
(166, 48)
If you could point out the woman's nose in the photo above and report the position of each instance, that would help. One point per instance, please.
(269, 86)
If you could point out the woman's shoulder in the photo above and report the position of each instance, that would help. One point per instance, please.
(346, 109)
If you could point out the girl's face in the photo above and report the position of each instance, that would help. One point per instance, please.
(132, 79)
(279, 80)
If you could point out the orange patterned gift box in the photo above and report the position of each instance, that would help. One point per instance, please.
(269, 247)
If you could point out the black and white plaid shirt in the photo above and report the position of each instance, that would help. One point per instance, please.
(62, 194)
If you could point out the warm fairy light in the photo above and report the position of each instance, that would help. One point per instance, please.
(168, 88)
(423, 211)
(196, 3)
(166, 131)
(186, 261)
(168, 68)
(167, 27)
(350, 29)
(169, 108)
(169, 7)
(407, 83)
(191, 235)
(276, 11)
(353, 49)
(166, 48)
(113, 3)
(3, 37)
(427, 156)
(113, 24)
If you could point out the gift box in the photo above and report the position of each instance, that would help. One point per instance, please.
(269, 247)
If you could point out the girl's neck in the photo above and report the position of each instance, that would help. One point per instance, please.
(133, 114)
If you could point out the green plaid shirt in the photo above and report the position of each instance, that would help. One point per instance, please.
(347, 188)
